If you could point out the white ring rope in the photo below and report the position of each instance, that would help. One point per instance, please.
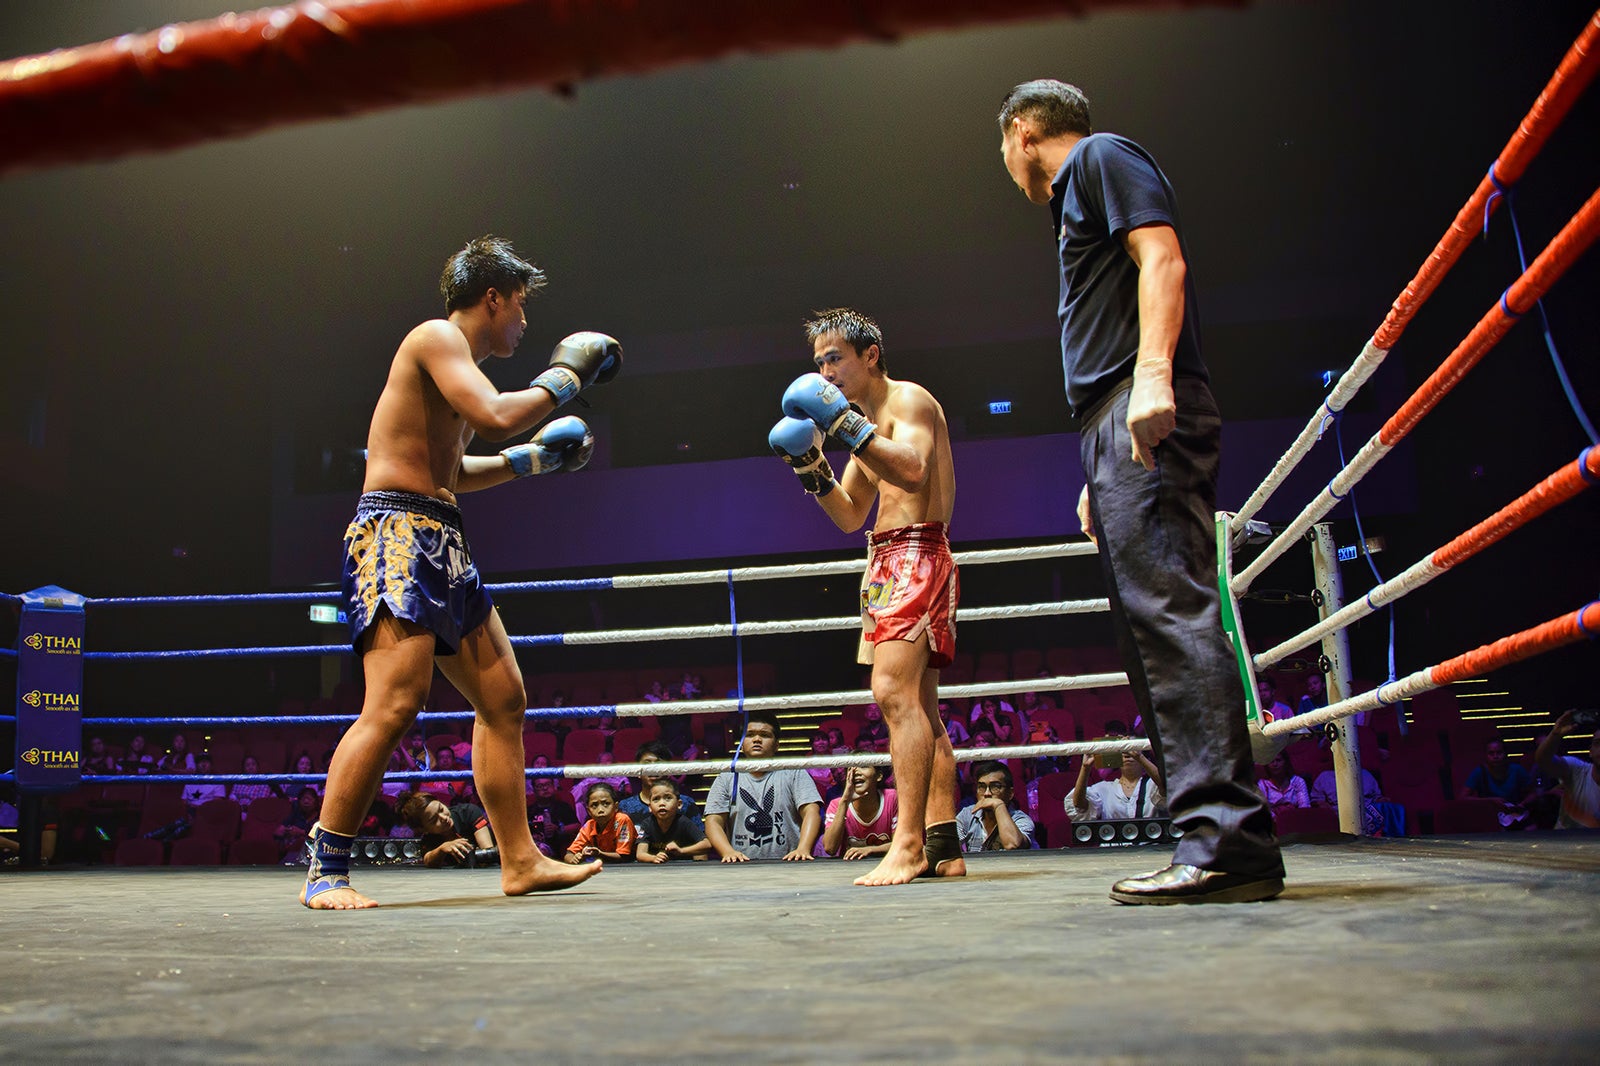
(812, 625)
(1363, 368)
(844, 566)
(717, 766)
(856, 697)
(1386, 694)
(1320, 505)
(1418, 575)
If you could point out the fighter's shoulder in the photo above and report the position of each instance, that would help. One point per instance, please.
(433, 338)
(907, 399)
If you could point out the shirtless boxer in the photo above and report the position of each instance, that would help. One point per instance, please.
(900, 457)
(413, 592)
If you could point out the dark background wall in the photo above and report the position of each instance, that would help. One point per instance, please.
(190, 343)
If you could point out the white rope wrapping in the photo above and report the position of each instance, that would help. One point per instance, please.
(844, 566)
(1418, 575)
(798, 762)
(813, 625)
(1384, 695)
(1321, 504)
(1363, 368)
(862, 696)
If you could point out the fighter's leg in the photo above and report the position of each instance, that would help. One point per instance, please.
(485, 671)
(397, 664)
(907, 693)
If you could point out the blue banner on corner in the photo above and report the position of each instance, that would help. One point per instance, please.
(50, 690)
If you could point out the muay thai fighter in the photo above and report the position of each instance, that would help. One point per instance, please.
(900, 459)
(413, 592)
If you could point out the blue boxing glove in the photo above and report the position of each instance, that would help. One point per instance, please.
(812, 396)
(563, 444)
(580, 360)
(799, 443)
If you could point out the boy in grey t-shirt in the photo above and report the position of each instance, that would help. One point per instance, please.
(776, 815)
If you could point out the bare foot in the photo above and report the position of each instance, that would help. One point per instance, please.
(544, 874)
(897, 868)
(336, 899)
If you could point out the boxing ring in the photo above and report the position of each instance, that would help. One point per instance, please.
(773, 961)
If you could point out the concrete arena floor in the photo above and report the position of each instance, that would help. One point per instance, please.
(1438, 949)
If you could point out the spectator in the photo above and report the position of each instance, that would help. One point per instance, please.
(952, 727)
(1316, 696)
(608, 834)
(836, 738)
(836, 777)
(1031, 703)
(822, 776)
(136, 760)
(553, 821)
(303, 764)
(1282, 786)
(1579, 780)
(872, 730)
(666, 832)
(657, 693)
(637, 806)
(618, 783)
(986, 711)
(413, 754)
(994, 822)
(291, 832)
(196, 794)
(245, 792)
(1005, 732)
(1267, 690)
(861, 822)
(449, 791)
(449, 834)
(1324, 792)
(1136, 791)
(764, 815)
(1498, 778)
(99, 760)
(178, 759)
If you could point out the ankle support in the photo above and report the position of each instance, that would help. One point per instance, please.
(940, 844)
(330, 860)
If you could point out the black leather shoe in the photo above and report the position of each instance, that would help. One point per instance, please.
(1181, 883)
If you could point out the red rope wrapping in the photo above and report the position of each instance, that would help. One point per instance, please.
(1572, 77)
(1554, 490)
(1573, 240)
(237, 74)
(1568, 629)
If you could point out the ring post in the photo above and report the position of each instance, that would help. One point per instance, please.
(1336, 649)
(49, 705)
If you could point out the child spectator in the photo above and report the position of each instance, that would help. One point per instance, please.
(552, 820)
(822, 775)
(291, 832)
(666, 832)
(952, 727)
(861, 822)
(608, 834)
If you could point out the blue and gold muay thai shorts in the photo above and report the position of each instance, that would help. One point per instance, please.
(407, 552)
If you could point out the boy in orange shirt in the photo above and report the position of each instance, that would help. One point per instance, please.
(608, 834)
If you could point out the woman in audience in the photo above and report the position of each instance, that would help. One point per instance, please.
(1282, 786)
